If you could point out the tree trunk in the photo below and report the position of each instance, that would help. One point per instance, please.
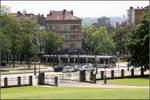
(28, 63)
(21, 59)
(13, 59)
(7, 58)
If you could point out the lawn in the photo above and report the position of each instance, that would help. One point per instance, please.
(32, 92)
(130, 81)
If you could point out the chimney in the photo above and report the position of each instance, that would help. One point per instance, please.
(51, 12)
(18, 12)
(131, 7)
(64, 12)
(71, 12)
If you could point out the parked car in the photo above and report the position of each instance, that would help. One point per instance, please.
(58, 68)
(77, 67)
(66, 68)
(87, 67)
(72, 68)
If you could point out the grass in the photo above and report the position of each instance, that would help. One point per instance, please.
(130, 81)
(22, 72)
(32, 92)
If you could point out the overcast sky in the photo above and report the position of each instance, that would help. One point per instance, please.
(80, 8)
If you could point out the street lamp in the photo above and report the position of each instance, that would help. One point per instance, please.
(39, 65)
(105, 73)
(118, 63)
(34, 68)
(96, 62)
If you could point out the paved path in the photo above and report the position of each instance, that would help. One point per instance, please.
(97, 85)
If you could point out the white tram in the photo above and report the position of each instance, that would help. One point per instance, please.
(98, 60)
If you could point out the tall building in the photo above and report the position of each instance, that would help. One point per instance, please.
(68, 26)
(134, 15)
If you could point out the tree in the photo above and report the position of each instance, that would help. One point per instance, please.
(87, 38)
(138, 44)
(27, 47)
(10, 28)
(119, 38)
(51, 42)
(102, 43)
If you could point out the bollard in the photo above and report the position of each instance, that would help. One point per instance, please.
(122, 73)
(56, 81)
(142, 71)
(5, 82)
(19, 81)
(41, 79)
(30, 80)
(82, 76)
(102, 75)
(94, 78)
(112, 74)
(91, 75)
(132, 72)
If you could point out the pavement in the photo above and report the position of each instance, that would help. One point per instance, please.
(99, 84)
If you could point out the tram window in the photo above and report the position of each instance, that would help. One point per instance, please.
(84, 60)
(76, 60)
(71, 60)
(101, 61)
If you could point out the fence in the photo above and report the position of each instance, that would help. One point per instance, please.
(16, 81)
(114, 74)
(62, 79)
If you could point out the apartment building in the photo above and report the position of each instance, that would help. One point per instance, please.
(134, 14)
(68, 26)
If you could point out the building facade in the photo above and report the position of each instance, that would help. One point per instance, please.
(65, 24)
(134, 15)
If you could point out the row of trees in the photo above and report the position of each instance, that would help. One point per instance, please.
(125, 39)
(21, 39)
(97, 41)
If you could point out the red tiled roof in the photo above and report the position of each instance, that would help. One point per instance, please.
(58, 15)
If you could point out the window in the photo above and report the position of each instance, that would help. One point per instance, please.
(67, 45)
(72, 45)
(48, 27)
(60, 27)
(67, 27)
(67, 36)
(72, 36)
(76, 27)
(77, 45)
(54, 27)
(77, 36)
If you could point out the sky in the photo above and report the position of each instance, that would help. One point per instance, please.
(80, 8)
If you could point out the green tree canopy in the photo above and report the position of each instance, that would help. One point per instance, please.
(138, 44)
(87, 38)
(102, 42)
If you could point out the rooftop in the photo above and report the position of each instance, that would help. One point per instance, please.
(61, 15)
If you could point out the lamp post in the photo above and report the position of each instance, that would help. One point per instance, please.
(105, 74)
(96, 62)
(39, 64)
(34, 68)
(118, 63)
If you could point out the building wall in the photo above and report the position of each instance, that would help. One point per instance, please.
(70, 30)
(134, 15)
(138, 14)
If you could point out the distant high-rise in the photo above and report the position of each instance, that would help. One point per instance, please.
(134, 15)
